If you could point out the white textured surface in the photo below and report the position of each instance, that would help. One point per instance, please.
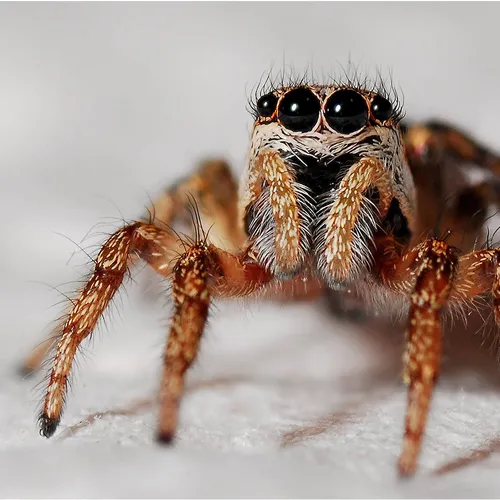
(100, 106)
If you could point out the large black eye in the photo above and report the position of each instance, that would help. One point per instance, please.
(346, 111)
(381, 108)
(299, 110)
(266, 105)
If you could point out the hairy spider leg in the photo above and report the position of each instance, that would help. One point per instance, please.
(191, 275)
(210, 191)
(440, 157)
(435, 277)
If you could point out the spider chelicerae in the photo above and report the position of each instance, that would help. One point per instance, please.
(337, 195)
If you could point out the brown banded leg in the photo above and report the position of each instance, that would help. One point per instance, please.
(214, 190)
(207, 198)
(430, 295)
(203, 272)
(200, 273)
(478, 274)
(230, 274)
(446, 200)
(111, 264)
(463, 216)
(467, 215)
(434, 277)
(162, 255)
(435, 141)
(426, 273)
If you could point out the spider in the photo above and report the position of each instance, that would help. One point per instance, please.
(338, 196)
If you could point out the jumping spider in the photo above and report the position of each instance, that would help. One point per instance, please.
(337, 195)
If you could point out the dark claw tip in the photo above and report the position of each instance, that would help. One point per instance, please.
(165, 438)
(47, 425)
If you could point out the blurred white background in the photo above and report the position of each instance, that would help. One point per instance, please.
(101, 106)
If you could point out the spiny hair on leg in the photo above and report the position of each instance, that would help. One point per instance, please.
(74, 299)
(83, 351)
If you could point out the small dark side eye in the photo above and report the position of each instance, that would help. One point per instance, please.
(346, 111)
(381, 108)
(299, 110)
(266, 105)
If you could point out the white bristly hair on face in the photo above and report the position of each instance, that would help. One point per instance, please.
(323, 146)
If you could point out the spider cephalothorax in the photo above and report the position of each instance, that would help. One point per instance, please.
(325, 166)
(334, 193)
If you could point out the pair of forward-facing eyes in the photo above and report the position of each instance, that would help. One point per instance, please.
(345, 111)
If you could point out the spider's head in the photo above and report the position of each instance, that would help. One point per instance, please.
(326, 170)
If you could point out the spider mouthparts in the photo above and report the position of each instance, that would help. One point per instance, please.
(165, 438)
(48, 425)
